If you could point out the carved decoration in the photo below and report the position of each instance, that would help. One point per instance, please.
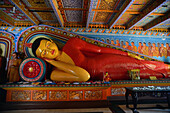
(72, 3)
(118, 91)
(45, 15)
(107, 4)
(18, 95)
(75, 95)
(92, 95)
(39, 95)
(102, 16)
(74, 16)
(57, 95)
(37, 3)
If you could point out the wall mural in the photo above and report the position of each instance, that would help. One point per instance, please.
(158, 48)
(145, 43)
(156, 43)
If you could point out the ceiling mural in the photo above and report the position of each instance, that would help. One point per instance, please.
(124, 14)
(74, 16)
(107, 4)
(72, 3)
(16, 15)
(42, 10)
(12, 13)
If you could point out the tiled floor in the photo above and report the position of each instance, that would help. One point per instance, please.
(93, 110)
(154, 110)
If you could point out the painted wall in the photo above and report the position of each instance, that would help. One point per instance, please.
(119, 38)
(157, 43)
(156, 47)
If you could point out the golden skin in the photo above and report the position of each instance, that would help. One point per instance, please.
(65, 69)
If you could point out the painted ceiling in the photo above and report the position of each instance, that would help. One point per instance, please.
(110, 14)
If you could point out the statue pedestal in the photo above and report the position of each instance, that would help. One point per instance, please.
(73, 92)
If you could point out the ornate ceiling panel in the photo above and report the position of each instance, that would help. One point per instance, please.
(156, 13)
(42, 10)
(35, 3)
(74, 16)
(101, 17)
(44, 16)
(15, 14)
(125, 17)
(132, 12)
(107, 4)
(72, 3)
(12, 12)
(127, 14)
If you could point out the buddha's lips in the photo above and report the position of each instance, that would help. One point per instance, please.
(53, 52)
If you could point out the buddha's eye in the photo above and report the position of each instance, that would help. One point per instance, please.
(43, 53)
(48, 44)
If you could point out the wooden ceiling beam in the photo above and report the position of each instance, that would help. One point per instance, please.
(25, 10)
(7, 6)
(89, 13)
(137, 12)
(57, 12)
(6, 18)
(146, 12)
(157, 21)
(84, 15)
(102, 10)
(40, 8)
(122, 10)
(77, 9)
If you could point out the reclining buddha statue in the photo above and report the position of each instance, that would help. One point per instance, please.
(81, 61)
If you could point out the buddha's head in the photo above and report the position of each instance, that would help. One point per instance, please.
(45, 48)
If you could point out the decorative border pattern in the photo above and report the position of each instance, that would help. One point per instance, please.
(7, 39)
(116, 31)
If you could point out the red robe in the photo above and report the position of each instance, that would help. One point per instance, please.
(99, 60)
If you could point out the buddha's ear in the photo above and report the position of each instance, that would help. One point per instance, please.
(29, 45)
(51, 40)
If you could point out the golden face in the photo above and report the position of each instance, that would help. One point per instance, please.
(47, 49)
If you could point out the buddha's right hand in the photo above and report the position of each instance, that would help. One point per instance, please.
(48, 60)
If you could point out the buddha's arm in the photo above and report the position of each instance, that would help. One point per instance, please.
(70, 69)
(84, 46)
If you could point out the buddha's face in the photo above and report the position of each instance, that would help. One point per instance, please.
(47, 49)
